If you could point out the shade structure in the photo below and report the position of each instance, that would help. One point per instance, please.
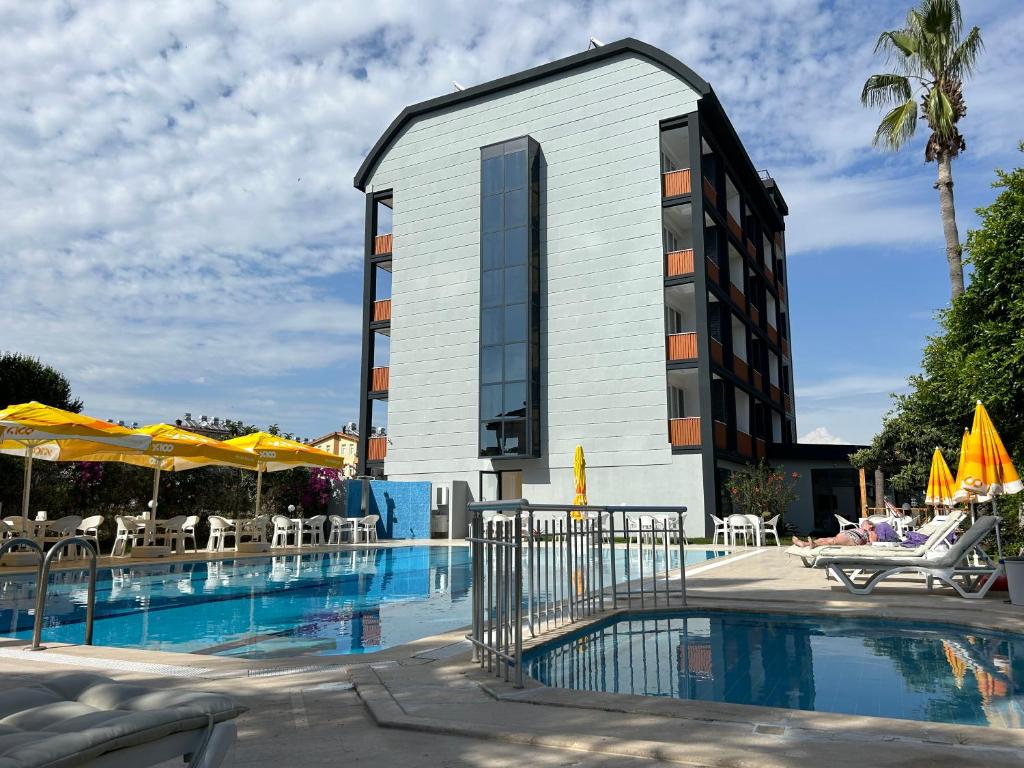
(40, 431)
(172, 449)
(987, 468)
(579, 473)
(274, 453)
(940, 490)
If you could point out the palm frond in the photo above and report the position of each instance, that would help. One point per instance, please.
(898, 125)
(883, 90)
(963, 59)
(941, 17)
(938, 111)
(897, 41)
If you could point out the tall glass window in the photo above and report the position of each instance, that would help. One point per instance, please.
(510, 299)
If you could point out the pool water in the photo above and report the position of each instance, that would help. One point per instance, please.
(353, 601)
(903, 670)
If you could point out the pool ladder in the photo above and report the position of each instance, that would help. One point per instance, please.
(43, 577)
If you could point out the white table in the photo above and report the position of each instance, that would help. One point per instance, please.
(753, 522)
(149, 547)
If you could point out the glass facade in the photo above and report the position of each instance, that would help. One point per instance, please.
(510, 299)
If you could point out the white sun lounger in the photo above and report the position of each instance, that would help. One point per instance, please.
(78, 719)
(937, 533)
(971, 577)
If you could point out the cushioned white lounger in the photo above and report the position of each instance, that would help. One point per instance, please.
(77, 719)
(971, 577)
(937, 533)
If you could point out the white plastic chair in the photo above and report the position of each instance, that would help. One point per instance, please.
(283, 528)
(771, 528)
(220, 529)
(62, 528)
(739, 525)
(130, 531)
(314, 528)
(254, 529)
(188, 531)
(339, 526)
(169, 532)
(367, 526)
(844, 523)
(89, 529)
(721, 528)
(756, 521)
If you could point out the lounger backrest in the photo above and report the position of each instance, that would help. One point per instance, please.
(973, 536)
(942, 530)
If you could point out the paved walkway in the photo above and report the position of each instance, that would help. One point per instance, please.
(427, 705)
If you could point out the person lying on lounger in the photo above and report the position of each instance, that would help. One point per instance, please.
(851, 537)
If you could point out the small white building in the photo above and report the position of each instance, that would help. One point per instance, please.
(578, 254)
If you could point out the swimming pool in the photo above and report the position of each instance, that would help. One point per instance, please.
(352, 601)
(902, 670)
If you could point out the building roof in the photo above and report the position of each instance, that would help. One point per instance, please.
(629, 44)
(812, 451)
(337, 433)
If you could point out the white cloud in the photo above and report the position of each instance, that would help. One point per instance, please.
(821, 436)
(176, 177)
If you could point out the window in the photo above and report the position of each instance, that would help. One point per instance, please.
(509, 299)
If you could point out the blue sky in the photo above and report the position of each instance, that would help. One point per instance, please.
(181, 233)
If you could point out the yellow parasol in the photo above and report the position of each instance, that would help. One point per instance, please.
(274, 453)
(940, 483)
(987, 469)
(40, 431)
(173, 449)
(579, 473)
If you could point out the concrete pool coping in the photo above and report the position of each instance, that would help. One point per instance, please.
(432, 687)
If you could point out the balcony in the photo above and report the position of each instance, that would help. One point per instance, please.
(751, 250)
(784, 343)
(755, 315)
(721, 434)
(773, 334)
(713, 273)
(736, 294)
(681, 346)
(382, 311)
(710, 194)
(789, 403)
(760, 449)
(744, 446)
(733, 226)
(776, 394)
(716, 351)
(376, 448)
(757, 380)
(675, 183)
(679, 263)
(684, 433)
(383, 244)
(739, 367)
(769, 275)
(379, 380)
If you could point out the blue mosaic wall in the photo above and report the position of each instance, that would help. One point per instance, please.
(404, 508)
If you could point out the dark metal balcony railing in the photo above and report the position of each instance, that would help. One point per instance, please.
(739, 367)
(713, 274)
(716, 351)
(710, 194)
(675, 183)
(681, 346)
(680, 263)
(684, 432)
(743, 443)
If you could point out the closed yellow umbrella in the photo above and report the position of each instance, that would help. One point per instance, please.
(274, 453)
(988, 470)
(579, 473)
(172, 449)
(40, 431)
(940, 483)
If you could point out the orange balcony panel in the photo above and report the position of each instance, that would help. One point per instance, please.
(736, 295)
(778, 239)
(733, 226)
(755, 315)
(773, 334)
(751, 250)
(713, 274)
(743, 443)
(684, 432)
(740, 368)
(785, 346)
(757, 380)
(716, 351)
(776, 394)
(676, 183)
(782, 293)
(383, 243)
(769, 275)
(381, 310)
(379, 379)
(760, 449)
(789, 403)
(376, 449)
(710, 194)
(680, 263)
(681, 346)
(720, 434)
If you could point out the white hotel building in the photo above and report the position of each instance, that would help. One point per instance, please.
(581, 253)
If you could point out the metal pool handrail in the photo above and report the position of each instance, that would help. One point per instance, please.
(561, 549)
(44, 577)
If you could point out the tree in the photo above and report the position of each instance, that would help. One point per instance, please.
(762, 490)
(24, 378)
(932, 61)
(978, 355)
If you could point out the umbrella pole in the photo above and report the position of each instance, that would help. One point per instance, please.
(156, 491)
(259, 488)
(999, 543)
(28, 483)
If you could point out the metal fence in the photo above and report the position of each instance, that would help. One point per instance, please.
(540, 567)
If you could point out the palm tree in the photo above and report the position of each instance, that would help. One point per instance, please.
(932, 61)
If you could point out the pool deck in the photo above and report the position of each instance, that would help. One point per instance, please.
(426, 704)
